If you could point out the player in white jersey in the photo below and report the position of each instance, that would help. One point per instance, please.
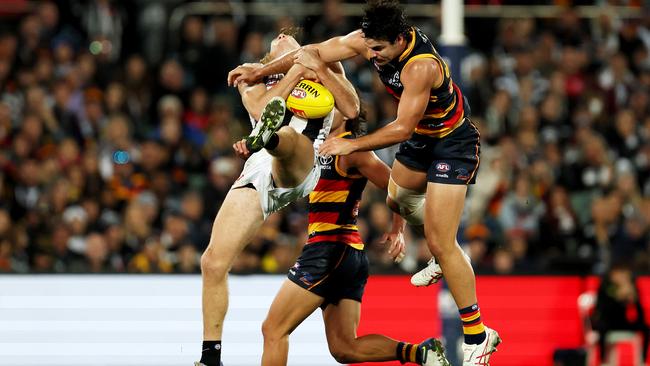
(282, 168)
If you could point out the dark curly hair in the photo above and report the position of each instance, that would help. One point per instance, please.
(384, 20)
(359, 125)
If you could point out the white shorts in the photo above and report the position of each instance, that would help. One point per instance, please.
(257, 172)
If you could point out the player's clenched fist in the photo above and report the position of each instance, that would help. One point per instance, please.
(241, 149)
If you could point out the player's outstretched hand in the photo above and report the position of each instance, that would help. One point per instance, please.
(396, 245)
(245, 73)
(336, 146)
(241, 150)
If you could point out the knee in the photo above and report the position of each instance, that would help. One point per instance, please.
(287, 131)
(270, 331)
(439, 241)
(288, 134)
(406, 202)
(213, 266)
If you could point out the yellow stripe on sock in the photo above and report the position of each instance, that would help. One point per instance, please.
(476, 329)
(414, 351)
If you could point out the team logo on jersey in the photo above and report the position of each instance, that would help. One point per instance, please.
(443, 167)
(298, 93)
(423, 36)
(325, 159)
(395, 81)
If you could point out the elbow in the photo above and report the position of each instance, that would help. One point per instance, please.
(351, 111)
(402, 133)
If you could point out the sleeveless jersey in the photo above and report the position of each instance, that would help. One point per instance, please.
(447, 105)
(334, 204)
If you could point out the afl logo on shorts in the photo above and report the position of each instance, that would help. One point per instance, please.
(298, 93)
(325, 159)
(443, 167)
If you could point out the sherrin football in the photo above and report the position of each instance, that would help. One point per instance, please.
(310, 99)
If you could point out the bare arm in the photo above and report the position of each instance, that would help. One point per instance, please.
(371, 167)
(417, 78)
(342, 47)
(346, 98)
(332, 50)
(255, 97)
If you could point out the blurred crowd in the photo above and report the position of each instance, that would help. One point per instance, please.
(116, 139)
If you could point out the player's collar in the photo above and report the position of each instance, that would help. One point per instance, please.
(410, 47)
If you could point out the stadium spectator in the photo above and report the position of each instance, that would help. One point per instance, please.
(618, 307)
(126, 145)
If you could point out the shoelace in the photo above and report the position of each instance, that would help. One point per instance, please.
(429, 271)
(486, 355)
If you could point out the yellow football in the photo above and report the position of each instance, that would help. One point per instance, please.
(310, 99)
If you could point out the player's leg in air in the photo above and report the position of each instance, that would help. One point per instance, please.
(406, 198)
(281, 169)
(243, 210)
(237, 221)
(425, 165)
(292, 153)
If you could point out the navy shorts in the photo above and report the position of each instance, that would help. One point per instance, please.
(331, 270)
(453, 159)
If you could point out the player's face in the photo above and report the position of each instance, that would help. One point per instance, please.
(382, 52)
(283, 44)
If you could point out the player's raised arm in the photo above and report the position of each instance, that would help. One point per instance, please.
(332, 76)
(332, 50)
(341, 48)
(371, 167)
(254, 97)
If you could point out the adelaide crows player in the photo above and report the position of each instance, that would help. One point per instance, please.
(332, 270)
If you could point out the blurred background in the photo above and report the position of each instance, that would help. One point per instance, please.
(116, 126)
